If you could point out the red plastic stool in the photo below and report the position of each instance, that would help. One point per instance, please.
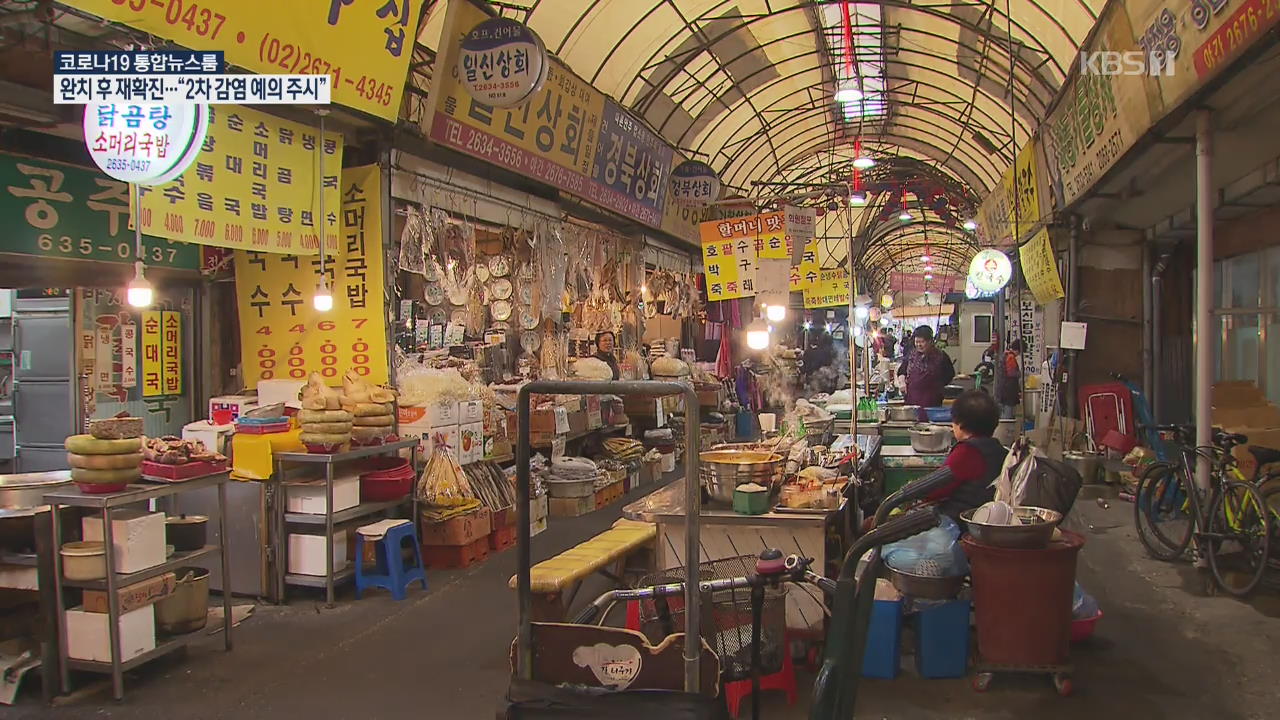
(784, 679)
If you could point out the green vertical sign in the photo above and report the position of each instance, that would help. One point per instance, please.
(51, 209)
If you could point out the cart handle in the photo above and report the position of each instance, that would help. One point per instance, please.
(914, 490)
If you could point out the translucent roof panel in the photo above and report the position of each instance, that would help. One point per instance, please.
(750, 86)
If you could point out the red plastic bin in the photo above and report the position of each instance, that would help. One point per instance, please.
(1022, 601)
(386, 479)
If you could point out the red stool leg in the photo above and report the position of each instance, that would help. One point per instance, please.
(633, 615)
(734, 692)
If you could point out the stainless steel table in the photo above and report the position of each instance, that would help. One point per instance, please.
(106, 503)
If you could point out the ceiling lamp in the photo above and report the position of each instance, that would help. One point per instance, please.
(905, 216)
(139, 292)
(857, 198)
(848, 94)
(886, 302)
(863, 162)
(970, 225)
(322, 301)
(928, 276)
(925, 258)
(776, 313)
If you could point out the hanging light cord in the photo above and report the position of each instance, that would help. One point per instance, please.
(323, 278)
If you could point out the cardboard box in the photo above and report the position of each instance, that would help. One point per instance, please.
(471, 411)
(578, 421)
(458, 530)
(471, 438)
(135, 596)
(449, 436)
(571, 507)
(306, 553)
(594, 418)
(309, 496)
(444, 414)
(542, 421)
(538, 508)
(89, 637)
(137, 537)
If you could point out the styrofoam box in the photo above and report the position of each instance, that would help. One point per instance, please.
(271, 392)
(471, 411)
(137, 537)
(306, 553)
(89, 637)
(213, 436)
(309, 496)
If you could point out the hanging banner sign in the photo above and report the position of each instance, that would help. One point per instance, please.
(1016, 199)
(129, 355)
(152, 353)
(567, 135)
(104, 360)
(802, 246)
(502, 62)
(729, 258)
(144, 143)
(917, 282)
(771, 236)
(831, 289)
(694, 184)
(1098, 116)
(282, 335)
(171, 354)
(70, 212)
(990, 270)
(1040, 268)
(252, 187)
(363, 45)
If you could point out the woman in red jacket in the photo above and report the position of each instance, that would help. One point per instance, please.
(976, 459)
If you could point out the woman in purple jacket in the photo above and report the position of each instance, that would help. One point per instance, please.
(927, 371)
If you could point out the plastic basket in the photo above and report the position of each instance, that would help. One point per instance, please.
(730, 635)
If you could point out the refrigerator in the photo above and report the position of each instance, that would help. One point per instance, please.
(44, 383)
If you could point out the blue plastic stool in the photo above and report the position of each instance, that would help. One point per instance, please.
(392, 572)
(884, 640)
(942, 639)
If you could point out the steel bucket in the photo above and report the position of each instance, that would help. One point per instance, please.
(725, 470)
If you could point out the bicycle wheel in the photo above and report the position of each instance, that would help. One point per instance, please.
(1162, 512)
(1238, 538)
(1271, 496)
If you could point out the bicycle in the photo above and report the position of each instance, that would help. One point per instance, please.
(1231, 526)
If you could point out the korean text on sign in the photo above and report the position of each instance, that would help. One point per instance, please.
(252, 187)
(282, 336)
(363, 45)
(208, 89)
(729, 257)
(66, 211)
(161, 353)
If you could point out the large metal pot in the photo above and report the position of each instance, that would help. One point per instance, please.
(725, 470)
(25, 491)
(187, 609)
(930, 439)
(1033, 529)
(902, 413)
(1088, 464)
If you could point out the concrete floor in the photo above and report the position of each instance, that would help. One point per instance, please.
(1164, 650)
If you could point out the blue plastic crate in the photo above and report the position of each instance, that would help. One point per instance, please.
(884, 640)
(938, 414)
(942, 639)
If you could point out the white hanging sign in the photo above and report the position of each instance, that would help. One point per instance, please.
(694, 184)
(502, 62)
(144, 143)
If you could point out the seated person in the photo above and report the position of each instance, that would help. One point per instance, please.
(976, 459)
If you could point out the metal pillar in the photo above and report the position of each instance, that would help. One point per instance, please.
(1157, 337)
(1148, 323)
(1073, 307)
(1204, 290)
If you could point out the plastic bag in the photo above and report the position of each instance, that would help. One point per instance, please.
(1083, 605)
(934, 553)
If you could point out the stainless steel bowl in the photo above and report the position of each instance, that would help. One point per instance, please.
(1033, 531)
(724, 470)
(902, 413)
(930, 439)
(925, 586)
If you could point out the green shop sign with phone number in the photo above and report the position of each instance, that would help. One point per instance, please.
(55, 210)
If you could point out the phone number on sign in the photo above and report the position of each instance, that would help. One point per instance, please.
(293, 363)
(199, 18)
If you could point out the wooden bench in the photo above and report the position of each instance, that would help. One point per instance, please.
(626, 549)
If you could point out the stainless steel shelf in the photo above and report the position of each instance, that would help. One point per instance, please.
(164, 647)
(74, 497)
(342, 516)
(319, 581)
(127, 579)
(348, 455)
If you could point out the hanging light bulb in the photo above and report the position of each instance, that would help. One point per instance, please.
(830, 327)
(861, 312)
(776, 313)
(928, 276)
(323, 299)
(757, 339)
(858, 198)
(905, 216)
(808, 325)
(139, 293)
(864, 162)
(886, 301)
(970, 225)
(848, 94)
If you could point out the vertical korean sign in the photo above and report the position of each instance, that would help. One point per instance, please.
(282, 335)
(1040, 268)
(801, 231)
(152, 353)
(729, 257)
(831, 289)
(252, 187)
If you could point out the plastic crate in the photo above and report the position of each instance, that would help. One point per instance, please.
(942, 639)
(884, 640)
(451, 557)
(502, 538)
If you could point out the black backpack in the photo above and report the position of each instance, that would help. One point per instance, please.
(1053, 485)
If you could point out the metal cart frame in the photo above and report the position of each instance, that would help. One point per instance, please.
(693, 508)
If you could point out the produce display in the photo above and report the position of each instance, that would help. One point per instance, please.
(108, 458)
